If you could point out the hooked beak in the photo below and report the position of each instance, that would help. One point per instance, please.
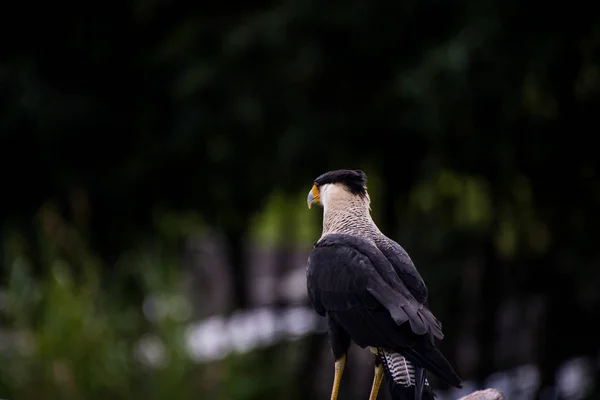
(313, 196)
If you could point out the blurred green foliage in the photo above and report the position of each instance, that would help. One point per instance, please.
(70, 337)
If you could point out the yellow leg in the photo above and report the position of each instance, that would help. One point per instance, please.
(376, 381)
(339, 370)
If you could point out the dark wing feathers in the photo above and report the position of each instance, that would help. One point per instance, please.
(419, 382)
(350, 272)
(351, 281)
(333, 288)
(404, 267)
(426, 355)
(400, 308)
(408, 274)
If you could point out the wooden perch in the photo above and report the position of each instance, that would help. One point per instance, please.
(487, 394)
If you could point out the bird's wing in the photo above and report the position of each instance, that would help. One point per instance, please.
(352, 281)
(405, 269)
(348, 273)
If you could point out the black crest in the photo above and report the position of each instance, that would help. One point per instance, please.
(355, 180)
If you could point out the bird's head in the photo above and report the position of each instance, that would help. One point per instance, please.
(333, 186)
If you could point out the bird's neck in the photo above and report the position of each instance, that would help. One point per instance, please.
(352, 217)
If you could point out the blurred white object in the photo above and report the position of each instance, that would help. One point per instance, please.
(487, 394)
(574, 378)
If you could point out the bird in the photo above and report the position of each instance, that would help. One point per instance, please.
(371, 293)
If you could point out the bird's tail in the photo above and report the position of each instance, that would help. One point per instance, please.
(428, 356)
(403, 379)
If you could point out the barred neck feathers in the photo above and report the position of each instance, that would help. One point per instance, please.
(347, 213)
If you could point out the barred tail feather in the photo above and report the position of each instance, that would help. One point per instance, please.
(403, 379)
(399, 392)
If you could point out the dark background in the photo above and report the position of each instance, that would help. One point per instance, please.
(155, 158)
